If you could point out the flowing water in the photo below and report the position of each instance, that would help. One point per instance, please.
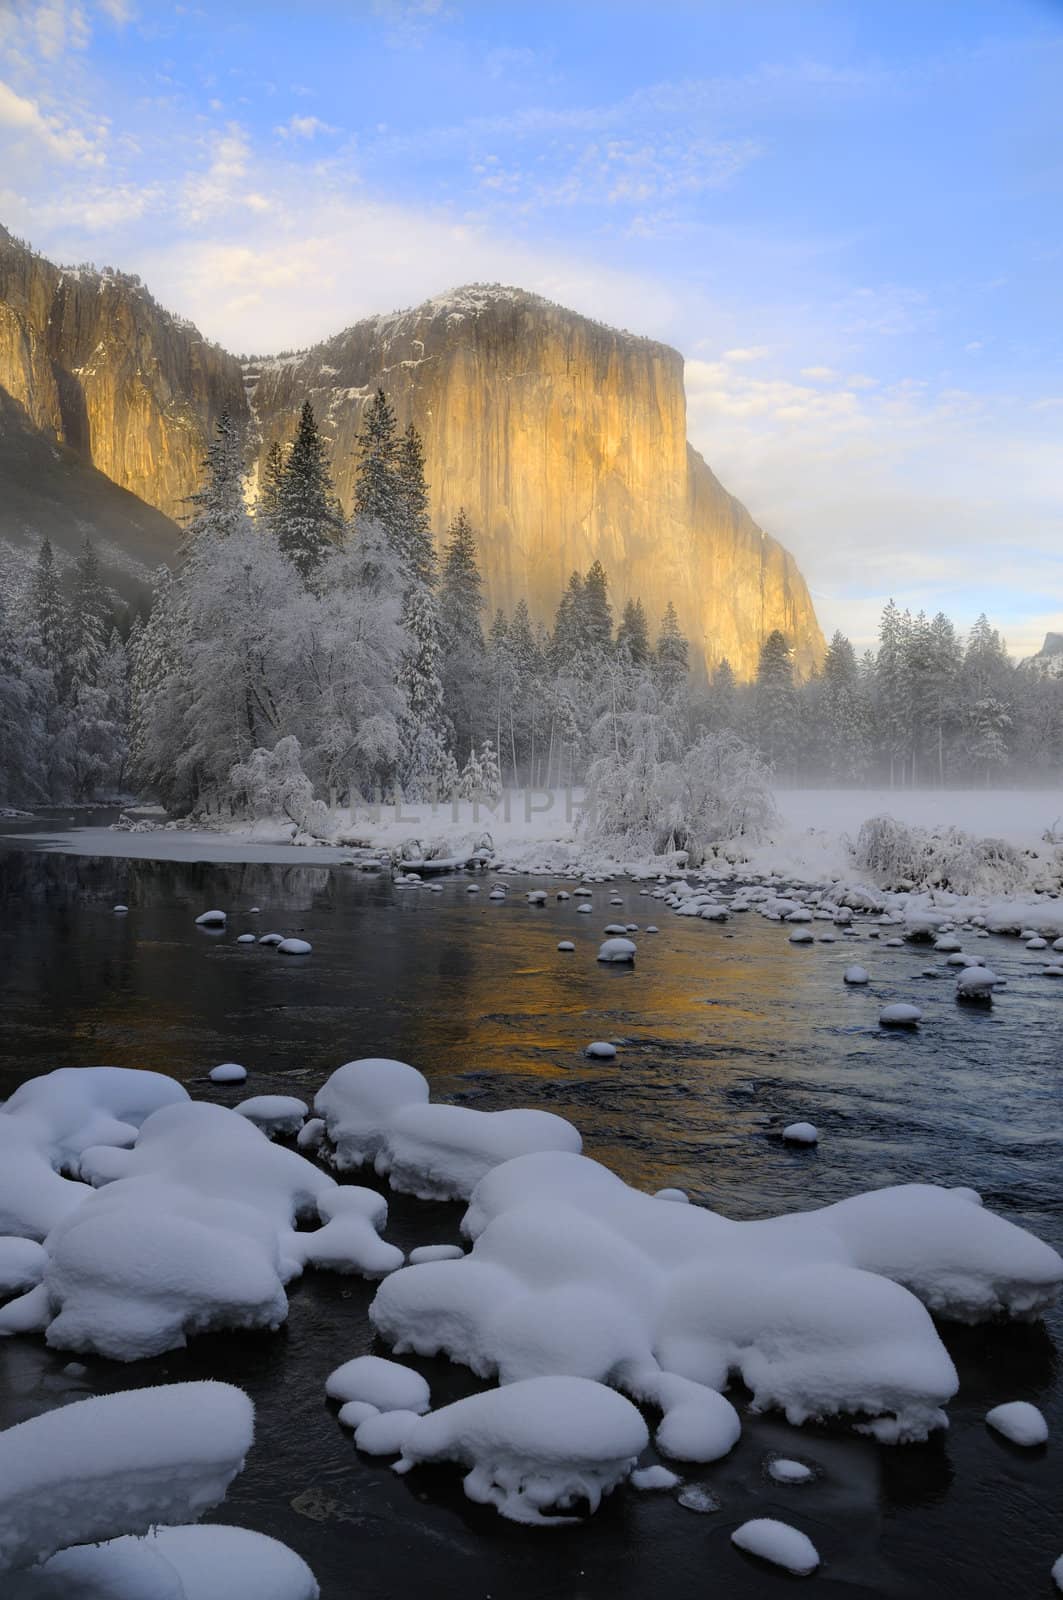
(727, 1033)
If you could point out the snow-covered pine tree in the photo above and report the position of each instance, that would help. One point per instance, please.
(672, 655)
(723, 699)
(464, 661)
(90, 616)
(492, 775)
(269, 486)
(219, 508)
(633, 635)
(429, 771)
(49, 650)
(892, 690)
(413, 524)
(471, 781)
(597, 613)
(307, 518)
(776, 702)
(567, 643)
(845, 734)
(376, 484)
(23, 732)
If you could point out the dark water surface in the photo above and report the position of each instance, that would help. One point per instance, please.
(728, 1033)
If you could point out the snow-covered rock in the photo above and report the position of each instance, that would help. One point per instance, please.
(536, 1448)
(801, 1133)
(212, 919)
(600, 1050)
(855, 975)
(360, 1101)
(277, 1115)
(778, 1543)
(566, 945)
(440, 1152)
(617, 950)
(207, 1562)
(117, 1464)
(786, 1471)
(1020, 1422)
(385, 1385)
(976, 983)
(900, 1015)
(294, 947)
(228, 1072)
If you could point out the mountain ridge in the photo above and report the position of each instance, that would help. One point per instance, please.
(563, 438)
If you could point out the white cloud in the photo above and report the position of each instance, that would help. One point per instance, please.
(819, 374)
(24, 118)
(742, 353)
(119, 11)
(303, 128)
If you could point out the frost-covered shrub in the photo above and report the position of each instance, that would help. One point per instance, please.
(276, 785)
(944, 858)
(718, 791)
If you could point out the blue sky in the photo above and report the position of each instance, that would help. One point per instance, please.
(848, 217)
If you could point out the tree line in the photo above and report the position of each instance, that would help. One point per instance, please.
(297, 658)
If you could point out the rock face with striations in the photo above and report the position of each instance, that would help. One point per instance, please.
(565, 441)
(102, 369)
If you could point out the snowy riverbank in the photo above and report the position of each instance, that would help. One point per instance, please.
(535, 831)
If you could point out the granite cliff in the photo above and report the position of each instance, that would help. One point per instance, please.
(565, 441)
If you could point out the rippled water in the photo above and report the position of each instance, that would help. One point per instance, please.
(728, 1032)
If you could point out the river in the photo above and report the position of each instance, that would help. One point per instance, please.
(728, 1033)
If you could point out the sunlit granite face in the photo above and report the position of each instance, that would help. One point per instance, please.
(564, 440)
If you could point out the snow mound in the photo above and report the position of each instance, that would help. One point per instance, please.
(856, 975)
(212, 919)
(784, 1471)
(379, 1111)
(534, 1449)
(47, 1124)
(778, 1543)
(116, 1464)
(275, 1114)
(385, 1385)
(801, 1133)
(228, 1072)
(976, 983)
(183, 1563)
(190, 1230)
(574, 1272)
(617, 950)
(359, 1102)
(899, 1015)
(22, 1263)
(1020, 1422)
(294, 947)
(440, 1152)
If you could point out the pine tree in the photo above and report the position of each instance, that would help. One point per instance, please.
(269, 487)
(89, 617)
(49, 650)
(307, 516)
(845, 731)
(723, 699)
(461, 603)
(413, 524)
(568, 643)
(892, 690)
(776, 701)
(428, 766)
(597, 615)
(376, 487)
(50, 616)
(219, 503)
(672, 655)
(633, 635)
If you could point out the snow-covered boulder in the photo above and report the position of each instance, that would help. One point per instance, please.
(294, 947)
(1019, 1422)
(855, 975)
(277, 1115)
(360, 1101)
(440, 1152)
(900, 1015)
(976, 983)
(207, 1562)
(117, 1464)
(617, 950)
(801, 1133)
(534, 1449)
(385, 1385)
(212, 919)
(228, 1072)
(779, 1544)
